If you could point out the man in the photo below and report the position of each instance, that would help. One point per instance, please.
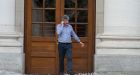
(65, 32)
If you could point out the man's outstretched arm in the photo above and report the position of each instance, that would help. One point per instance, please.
(74, 35)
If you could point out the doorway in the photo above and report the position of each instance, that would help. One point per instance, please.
(41, 17)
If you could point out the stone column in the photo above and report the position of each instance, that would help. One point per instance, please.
(122, 17)
(11, 49)
(119, 44)
(7, 16)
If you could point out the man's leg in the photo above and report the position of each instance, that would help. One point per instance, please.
(69, 59)
(61, 57)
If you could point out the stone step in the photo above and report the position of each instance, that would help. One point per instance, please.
(117, 73)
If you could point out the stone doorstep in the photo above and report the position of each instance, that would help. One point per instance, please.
(4, 72)
(118, 73)
(99, 73)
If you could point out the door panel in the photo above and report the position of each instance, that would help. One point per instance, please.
(78, 51)
(43, 65)
(77, 10)
(41, 48)
(79, 65)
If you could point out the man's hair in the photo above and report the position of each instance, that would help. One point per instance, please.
(65, 17)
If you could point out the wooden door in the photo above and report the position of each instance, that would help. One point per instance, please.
(41, 17)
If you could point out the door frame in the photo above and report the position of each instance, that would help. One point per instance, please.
(26, 34)
(91, 29)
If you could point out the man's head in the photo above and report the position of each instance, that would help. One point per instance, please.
(65, 19)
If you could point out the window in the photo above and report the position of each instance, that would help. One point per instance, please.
(43, 18)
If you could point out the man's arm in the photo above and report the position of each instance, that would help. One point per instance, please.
(77, 38)
(74, 35)
(59, 29)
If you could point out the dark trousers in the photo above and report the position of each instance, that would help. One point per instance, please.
(65, 49)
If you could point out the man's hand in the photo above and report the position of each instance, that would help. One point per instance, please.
(82, 44)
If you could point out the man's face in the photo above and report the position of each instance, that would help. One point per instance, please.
(65, 21)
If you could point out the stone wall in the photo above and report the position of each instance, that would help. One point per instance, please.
(11, 36)
(117, 37)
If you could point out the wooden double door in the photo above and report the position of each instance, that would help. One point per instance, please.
(41, 17)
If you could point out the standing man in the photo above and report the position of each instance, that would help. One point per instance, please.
(65, 32)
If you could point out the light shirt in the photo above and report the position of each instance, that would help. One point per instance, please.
(66, 33)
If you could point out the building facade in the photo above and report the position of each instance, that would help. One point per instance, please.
(11, 35)
(109, 28)
(117, 38)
